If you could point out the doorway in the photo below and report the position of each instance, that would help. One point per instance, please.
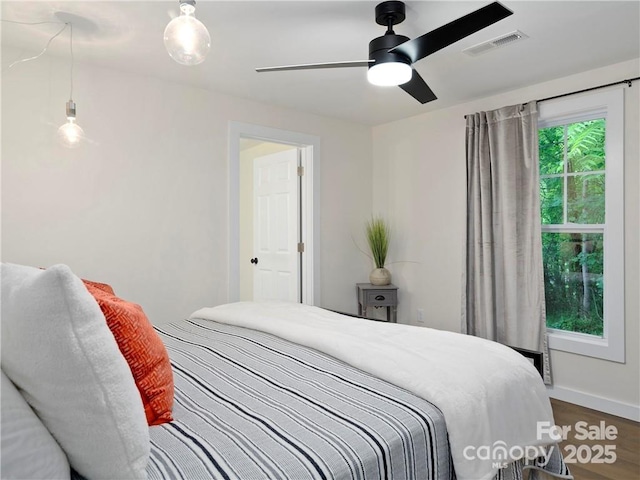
(274, 217)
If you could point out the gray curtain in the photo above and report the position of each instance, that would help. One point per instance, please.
(503, 292)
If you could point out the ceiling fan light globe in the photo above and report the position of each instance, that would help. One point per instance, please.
(186, 39)
(389, 74)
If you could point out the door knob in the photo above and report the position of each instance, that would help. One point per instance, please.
(254, 261)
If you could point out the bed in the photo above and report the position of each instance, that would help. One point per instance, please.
(256, 397)
(282, 410)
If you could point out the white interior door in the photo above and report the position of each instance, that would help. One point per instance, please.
(276, 213)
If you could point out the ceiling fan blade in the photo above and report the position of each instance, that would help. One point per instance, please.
(313, 66)
(418, 88)
(444, 36)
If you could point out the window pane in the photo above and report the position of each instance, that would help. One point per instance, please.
(551, 200)
(585, 146)
(585, 198)
(573, 281)
(551, 150)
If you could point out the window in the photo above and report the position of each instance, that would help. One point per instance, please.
(572, 195)
(582, 203)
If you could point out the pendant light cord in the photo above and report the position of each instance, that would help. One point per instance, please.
(71, 51)
(64, 26)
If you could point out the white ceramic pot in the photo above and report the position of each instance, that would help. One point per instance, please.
(380, 276)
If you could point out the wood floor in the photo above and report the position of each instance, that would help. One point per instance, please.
(627, 444)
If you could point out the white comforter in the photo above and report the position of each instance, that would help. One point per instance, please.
(488, 393)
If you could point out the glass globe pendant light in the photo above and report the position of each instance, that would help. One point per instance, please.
(70, 134)
(186, 39)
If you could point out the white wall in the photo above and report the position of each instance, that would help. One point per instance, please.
(143, 205)
(419, 179)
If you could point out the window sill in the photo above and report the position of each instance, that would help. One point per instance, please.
(588, 345)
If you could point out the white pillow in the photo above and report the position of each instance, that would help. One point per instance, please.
(58, 350)
(28, 449)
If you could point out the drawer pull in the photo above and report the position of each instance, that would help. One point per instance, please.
(379, 297)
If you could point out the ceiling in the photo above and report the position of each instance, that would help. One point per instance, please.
(564, 38)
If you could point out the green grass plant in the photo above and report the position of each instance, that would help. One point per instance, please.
(378, 238)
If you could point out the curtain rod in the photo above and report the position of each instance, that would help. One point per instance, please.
(627, 81)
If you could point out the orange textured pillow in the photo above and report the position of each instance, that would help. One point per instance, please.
(100, 286)
(143, 349)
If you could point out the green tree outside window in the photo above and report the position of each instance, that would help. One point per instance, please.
(572, 196)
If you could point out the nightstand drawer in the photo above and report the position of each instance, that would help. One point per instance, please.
(375, 296)
(381, 298)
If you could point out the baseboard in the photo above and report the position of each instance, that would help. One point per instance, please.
(606, 405)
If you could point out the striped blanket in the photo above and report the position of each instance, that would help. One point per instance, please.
(250, 405)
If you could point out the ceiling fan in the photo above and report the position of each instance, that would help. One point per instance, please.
(391, 55)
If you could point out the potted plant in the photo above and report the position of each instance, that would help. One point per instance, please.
(378, 238)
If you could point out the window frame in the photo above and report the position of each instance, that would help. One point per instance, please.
(607, 104)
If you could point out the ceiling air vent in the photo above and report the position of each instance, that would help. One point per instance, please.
(500, 41)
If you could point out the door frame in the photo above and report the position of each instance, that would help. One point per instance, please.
(309, 146)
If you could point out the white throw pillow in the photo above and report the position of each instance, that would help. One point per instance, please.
(58, 350)
(28, 449)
